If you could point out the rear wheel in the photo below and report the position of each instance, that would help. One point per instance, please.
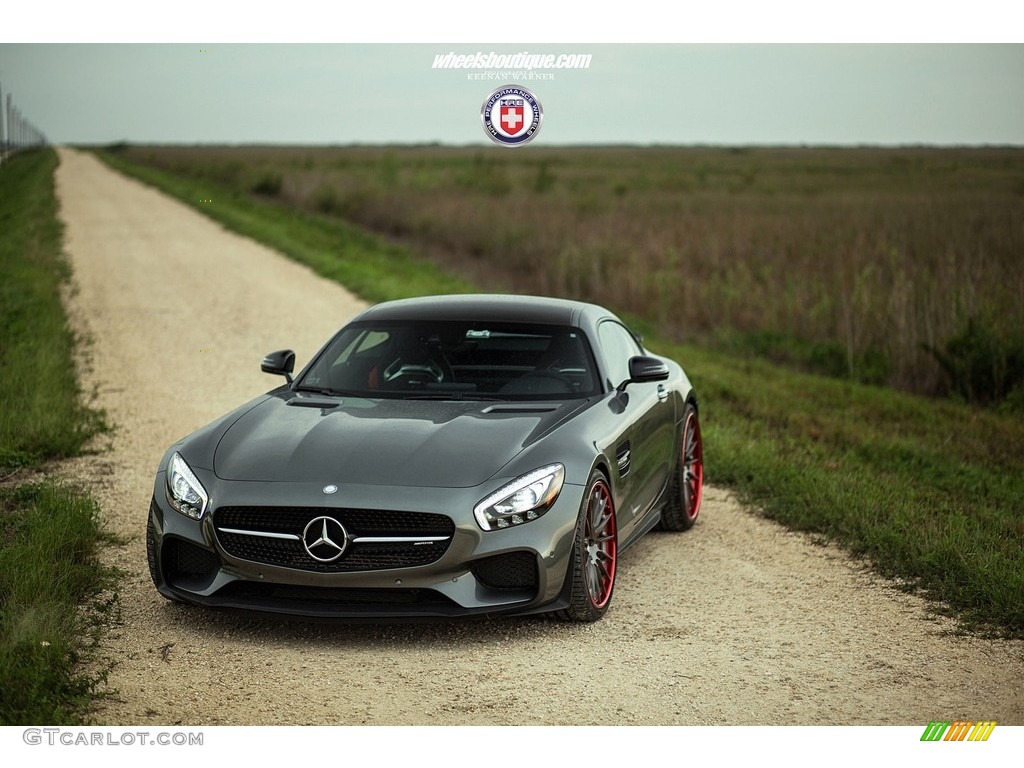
(595, 554)
(687, 487)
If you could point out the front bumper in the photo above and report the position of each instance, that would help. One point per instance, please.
(515, 570)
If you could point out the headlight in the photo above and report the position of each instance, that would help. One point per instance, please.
(524, 499)
(184, 491)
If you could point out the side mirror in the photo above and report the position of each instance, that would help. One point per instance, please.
(643, 369)
(281, 363)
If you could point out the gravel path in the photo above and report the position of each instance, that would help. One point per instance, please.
(736, 622)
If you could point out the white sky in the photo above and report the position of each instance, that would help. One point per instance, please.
(194, 78)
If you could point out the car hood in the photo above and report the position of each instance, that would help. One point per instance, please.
(449, 444)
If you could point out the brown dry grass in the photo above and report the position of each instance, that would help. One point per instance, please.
(855, 262)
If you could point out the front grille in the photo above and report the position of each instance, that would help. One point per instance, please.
(419, 538)
(359, 522)
(515, 570)
(358, 557)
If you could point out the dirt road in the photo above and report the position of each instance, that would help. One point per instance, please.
(736, 622)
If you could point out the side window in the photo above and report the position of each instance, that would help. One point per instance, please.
(617, 345)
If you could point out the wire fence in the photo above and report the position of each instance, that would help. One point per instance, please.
(16, 132)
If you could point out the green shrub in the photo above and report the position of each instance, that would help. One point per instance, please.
(267, 183)
(325, 199)
(983, 366)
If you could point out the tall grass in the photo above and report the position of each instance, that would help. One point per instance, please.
(861, 263)
(50, 575)
(50, 611)
(43, 416)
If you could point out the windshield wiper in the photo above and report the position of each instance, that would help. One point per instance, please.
(327, 391)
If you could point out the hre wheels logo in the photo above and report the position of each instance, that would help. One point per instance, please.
(511, 115)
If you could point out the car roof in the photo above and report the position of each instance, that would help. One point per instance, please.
(488, 307)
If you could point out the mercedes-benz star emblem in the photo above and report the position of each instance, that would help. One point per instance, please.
(325, 539)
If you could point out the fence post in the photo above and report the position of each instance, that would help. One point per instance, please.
(16, 133)
(5, 126)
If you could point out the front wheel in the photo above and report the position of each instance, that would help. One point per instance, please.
(595, 554)
(687, 487)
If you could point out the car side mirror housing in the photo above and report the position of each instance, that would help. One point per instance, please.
(281, 363)
(643, 369)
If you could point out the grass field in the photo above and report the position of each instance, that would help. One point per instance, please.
(930, 491)
(50, 575)
(44, 416)
(892, 266)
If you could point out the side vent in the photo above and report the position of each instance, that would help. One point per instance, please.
(622, 457)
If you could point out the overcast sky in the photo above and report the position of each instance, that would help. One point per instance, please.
(637, 93)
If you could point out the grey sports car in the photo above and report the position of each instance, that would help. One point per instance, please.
(442, 456)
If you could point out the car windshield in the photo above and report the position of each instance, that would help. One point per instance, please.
(455, 360)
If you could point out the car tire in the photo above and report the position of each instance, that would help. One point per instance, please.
(595, 554)
(687, 484)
